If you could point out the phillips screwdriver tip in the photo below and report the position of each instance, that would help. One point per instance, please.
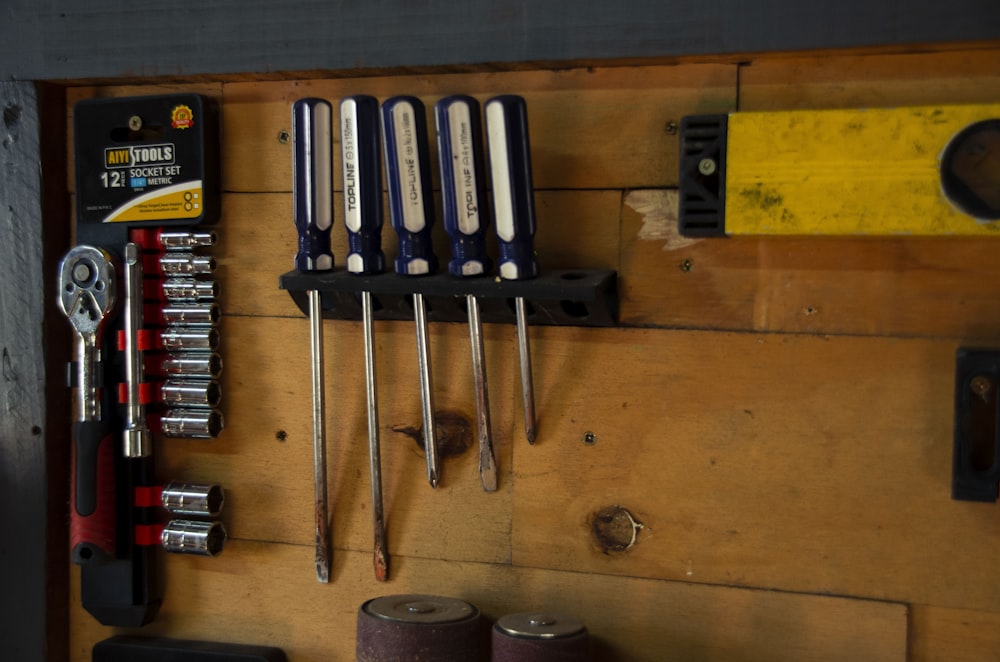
(529, 432)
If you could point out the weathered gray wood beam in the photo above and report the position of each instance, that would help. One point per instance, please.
(63, 39)
(34, 405)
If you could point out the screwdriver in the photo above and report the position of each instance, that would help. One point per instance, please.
(460, 158)
(411, 209)
(312, 176)
(514, 214)
(363, 219)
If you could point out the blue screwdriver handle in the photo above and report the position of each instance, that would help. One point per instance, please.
(408, 175)
(463, 191)
(362, 175)
(312, 182)
(513, 192)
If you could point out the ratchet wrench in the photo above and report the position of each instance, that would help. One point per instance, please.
(87, 295)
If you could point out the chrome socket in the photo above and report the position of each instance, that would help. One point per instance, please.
(192, 364)
(186, 264)
(195, 314)
(192, 423)
(182, 536)
(193, 499)
(186, 288)
(184, 338)
(191, 393)
(185, 241)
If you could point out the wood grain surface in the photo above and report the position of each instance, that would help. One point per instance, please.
(260, 596)
(755, 465)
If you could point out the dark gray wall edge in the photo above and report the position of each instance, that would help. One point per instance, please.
(61, 39)
(34, 408)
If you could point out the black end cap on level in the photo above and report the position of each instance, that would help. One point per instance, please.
(702, 173)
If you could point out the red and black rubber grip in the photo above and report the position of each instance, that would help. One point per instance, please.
(92, 522)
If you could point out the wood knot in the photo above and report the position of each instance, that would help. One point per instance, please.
(455, 433)
(614, 529)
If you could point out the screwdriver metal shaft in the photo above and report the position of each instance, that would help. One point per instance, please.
(426, 388)
(313, 191)
(319, 438)
(381, 547)
(460, 159)
(363, 219)
(524, 356)
(487, 460)
(514, 212)
(408, 178)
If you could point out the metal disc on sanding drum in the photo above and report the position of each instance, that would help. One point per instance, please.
(427, 628)
(540, 637)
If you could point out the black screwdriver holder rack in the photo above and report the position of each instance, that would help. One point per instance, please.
(578, 297)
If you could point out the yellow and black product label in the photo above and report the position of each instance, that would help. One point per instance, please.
(181, 201)
(146, 159)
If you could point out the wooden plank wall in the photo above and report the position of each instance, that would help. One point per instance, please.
(775, 413)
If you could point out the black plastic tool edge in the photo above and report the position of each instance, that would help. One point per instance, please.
(128, 648)
(702, 172)
(578, 297)
(976, 453)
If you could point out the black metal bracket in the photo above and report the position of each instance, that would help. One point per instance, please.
(702, 208)
(976, 460)
(582, 297)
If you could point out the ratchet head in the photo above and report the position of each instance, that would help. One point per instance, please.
(87, 288)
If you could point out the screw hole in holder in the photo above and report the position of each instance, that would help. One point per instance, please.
(376, 302)
(528, 308)
(577, 297)
(575, 309)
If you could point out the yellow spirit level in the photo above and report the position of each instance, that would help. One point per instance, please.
(900, 171)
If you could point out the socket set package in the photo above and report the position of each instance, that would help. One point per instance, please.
(139, 292)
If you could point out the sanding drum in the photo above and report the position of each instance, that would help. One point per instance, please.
(540, 637)
(428, 628)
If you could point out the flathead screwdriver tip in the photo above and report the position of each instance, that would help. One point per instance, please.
(381, 562)
(488, 473)
(322, 547)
